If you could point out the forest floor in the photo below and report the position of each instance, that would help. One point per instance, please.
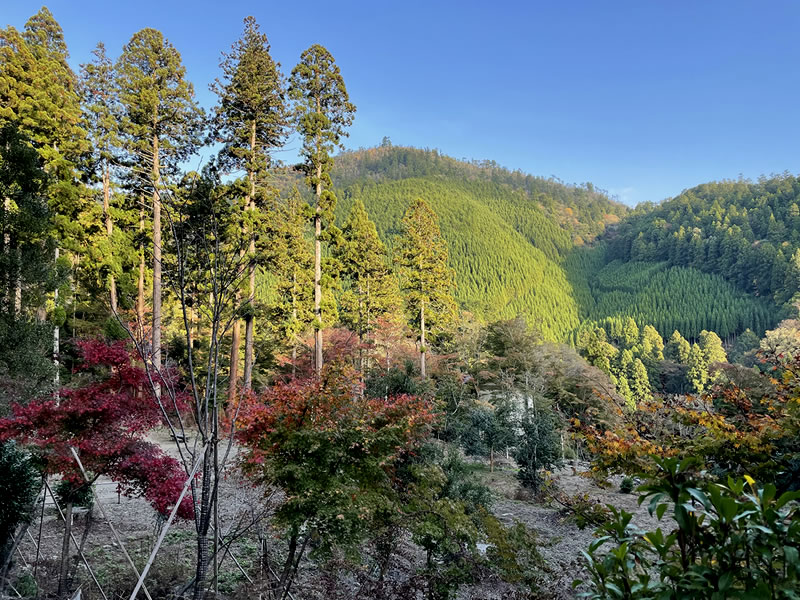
(136, 523)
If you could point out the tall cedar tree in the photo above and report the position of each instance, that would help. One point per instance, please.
(38, 91)
(323, 111)
(425, 277)
(161, 125)
(101, 110)
(292, 310)
(250, 120)
(25, 227)
(373, 288)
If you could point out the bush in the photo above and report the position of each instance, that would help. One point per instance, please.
(626, 486)
(733, 540)
(20, 486)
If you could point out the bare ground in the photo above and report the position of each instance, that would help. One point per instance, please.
(137, 524)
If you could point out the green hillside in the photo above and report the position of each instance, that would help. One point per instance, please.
(499, 273)
(747, 232)
(507, 233)
(524, 245)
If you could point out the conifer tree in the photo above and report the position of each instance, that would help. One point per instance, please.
(323, 112)
(24, 227)
(711, 346)
(250, 120)
(38, 93)
(698, 368)
(364, 263)
(161, 125)
(101, 110)
(639, 382)
(652, 344)
(293, 267)
(425, 277)
(677, 348)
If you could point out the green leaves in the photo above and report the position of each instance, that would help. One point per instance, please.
(728, 543)
(158, 104)
(252, 115)
(322, 114)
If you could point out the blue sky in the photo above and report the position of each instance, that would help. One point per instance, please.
(642, 98)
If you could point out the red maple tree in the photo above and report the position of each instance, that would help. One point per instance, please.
(106, 420)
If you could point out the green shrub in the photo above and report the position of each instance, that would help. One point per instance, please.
(733, 540)
(20, 484)
(626, 486)
(539, 447)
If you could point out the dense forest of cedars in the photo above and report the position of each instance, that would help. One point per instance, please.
(522, 245)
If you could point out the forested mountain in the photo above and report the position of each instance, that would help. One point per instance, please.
(507, 233)
(667, 297)
(562, 255)
(581, 211)
(747, 232)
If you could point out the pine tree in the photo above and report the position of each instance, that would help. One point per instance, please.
(250, 120)
(364, 264)
(161, 125)
(323, 111)
(425, 277)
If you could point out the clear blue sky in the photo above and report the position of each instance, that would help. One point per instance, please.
(641, 98)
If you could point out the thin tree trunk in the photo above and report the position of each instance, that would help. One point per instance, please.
(422, 349)
(140, 297)
(294, 321)
(360, 337)
(190, 333)
(215, 500)
(249, 324)
(109, 232)
(56, 341)
(233, 380)
(203, 543)
(318, 292)
(17, 276)
(156, 350)
(63, 571)
(4, 244)
(368, 331)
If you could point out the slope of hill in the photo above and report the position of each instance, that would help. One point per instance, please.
(717, 257)
(749, 233)
(581, 211)
(507, 233)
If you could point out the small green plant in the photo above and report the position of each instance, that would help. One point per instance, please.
(732, 540)
(627, 485)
